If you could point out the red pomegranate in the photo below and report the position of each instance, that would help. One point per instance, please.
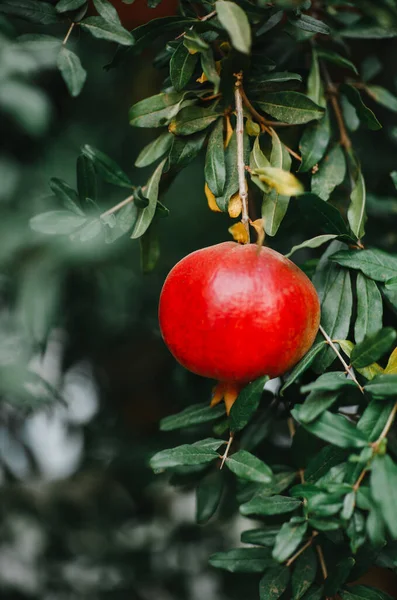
(234, 313)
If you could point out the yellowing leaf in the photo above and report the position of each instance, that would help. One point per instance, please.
(371, 371)
(239, 233)
(203, 76)
(284, 182)
(253, 129)
(259, 226)
(211, 199)
(391, 367)
(235, 206)
(229, 131)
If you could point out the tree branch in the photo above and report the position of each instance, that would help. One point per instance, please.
(242, 182)
(117, 207)
(348, 368)
(68, 33)
(333, 95)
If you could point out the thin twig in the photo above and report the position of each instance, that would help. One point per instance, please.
(291, 426)
(339, 355)
(117, 207)
(322, 561)
(301, 551)
(242, 182)
(224, 457)
(68, 33)
(202, 19)
(333, 95)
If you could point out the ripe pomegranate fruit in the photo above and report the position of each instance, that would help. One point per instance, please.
(234, 313)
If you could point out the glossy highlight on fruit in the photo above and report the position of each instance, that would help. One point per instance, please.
(234, 313)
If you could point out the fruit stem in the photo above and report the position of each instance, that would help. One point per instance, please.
(242, 182)
(68, 34)
(224, 457)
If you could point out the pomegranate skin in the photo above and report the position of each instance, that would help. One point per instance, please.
(233, 313)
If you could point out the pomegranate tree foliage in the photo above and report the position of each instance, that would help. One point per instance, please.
(314, 462)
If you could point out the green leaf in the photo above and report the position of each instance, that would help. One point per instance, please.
(66, 195)
(325, 215)
(231, 185)
(349, 114)
(246, 404)
(145, 215)
(27, 105)
(365, 115)
(315, 242)
(215, 169)
(192, 119)
(182, 455)
(288, 539)
(242, 560)
(315, 593)
(208, 494)
(272, 21)
(31, 10)
(370, 32)
(316, 403)
(125, 219)
(291, 107)
(267, 80)
(247, 466)
(234, 20)
(274, 583)
(274, 505)
(382, 96)
(370, 67)
(330, 174)
(322, 462)
(284, 182)
(308, 23)
(382, 386)
(332, 381)
(107, 11)
(106, 30)
(74, 75)
(303, 365)
(154, 150)
(156, 111)
(209, 68)
(338, 575)
(209, 443)
(369, 308)
(57, 222)
(107, 167)
(337, 59)
(363, 592)
(182, 65)
(373, 347)
(374, 418)
(356, 214)
(194, 42)
(335, 429)
(192, 415)
(66, 5)
(304, 573)
(184, 150)
(150, 249)
(264, 536)
(375, 264)
(315, 88)
(314, 142)
(348, 506)
(86, 178)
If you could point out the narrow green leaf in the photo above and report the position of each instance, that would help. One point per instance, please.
(363, 592)
(374, 418)
(335, 429)
(369, 308)
(57, 222)
(288, 539)
(156, 111)
(242, 560)
(331, 381)
(106, 30)
(375, 264)
(209, 68)
(107, 167)
(66, 195)
(310, 24)
(231, 185)
(66, 5)
(291, 107)
(145, 215)
(331, 173)
(209, 494)
(315, 242)
(86, 178)
(184, 150)
(194, 42)
(107, 11)
(314, 142)
(365, 115)
(373, 347)
(322, 462)
(348, 506)
(31, 10)
(303, 365)
(215, 169)
(182, 455)
(274, 505)
(247, 466)
(315, 88)
(264, 536)
(247, 403)
(316, 403)
(356, 214)
(382, 386)
(154, 150)
(182, 65)
(337, 59)
(338, 575)
(193, 415)
(192, 119)
(370, 67)
(315, 593)
(150, 249)
(235, 21)
(326, 216)
(274, 583)
(304, 573)
(382, 96)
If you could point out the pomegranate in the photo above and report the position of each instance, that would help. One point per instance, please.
(234, 313)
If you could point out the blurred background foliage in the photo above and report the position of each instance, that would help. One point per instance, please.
(84, 375)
